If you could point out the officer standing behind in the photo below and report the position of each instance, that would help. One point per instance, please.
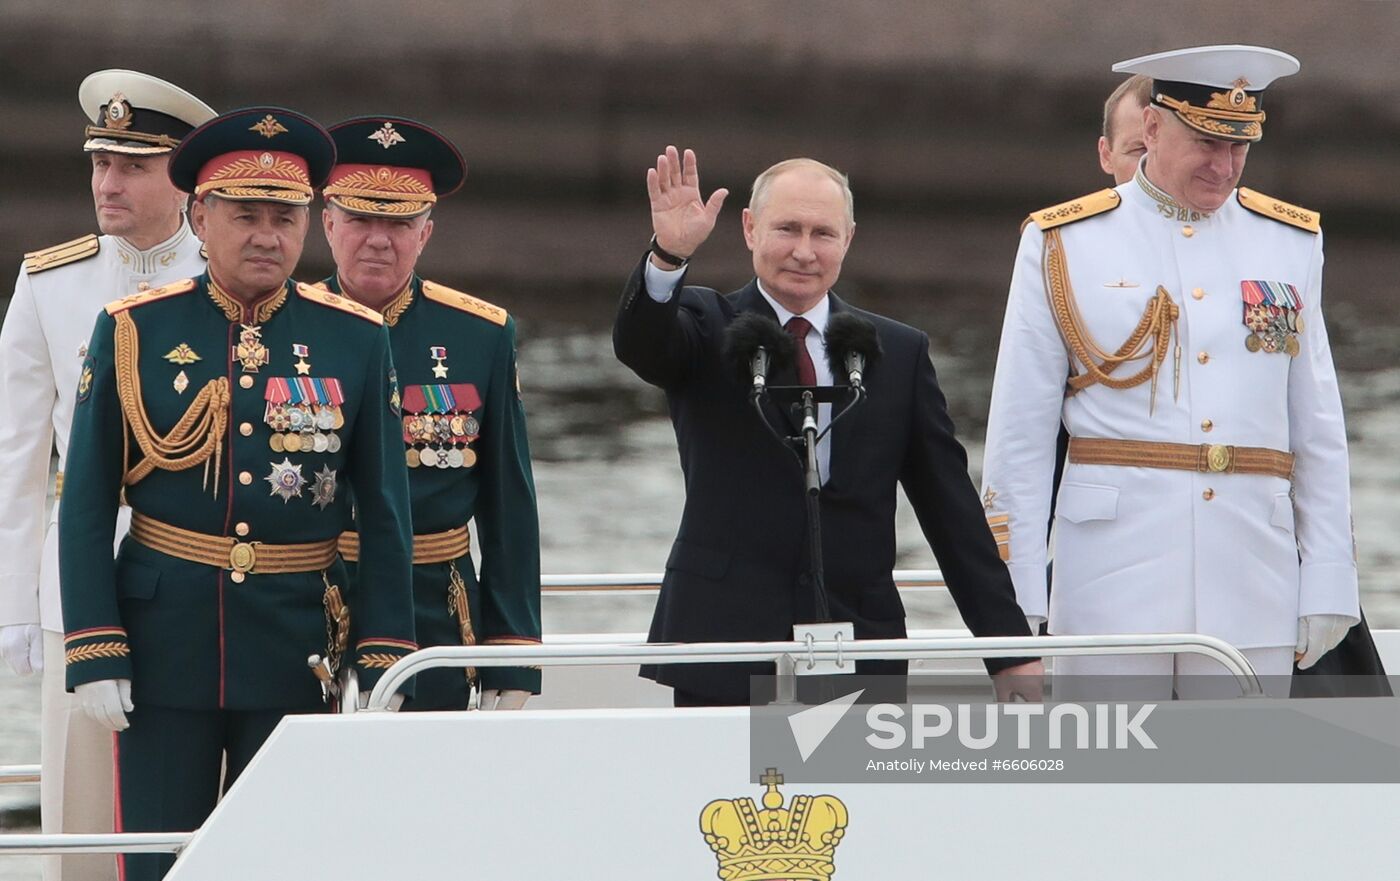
(135, 121)
(1120, 145)
(463, 421)
(1175, 325)
(234, 412)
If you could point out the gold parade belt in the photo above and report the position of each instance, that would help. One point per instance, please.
(1206, 458)
(430, 547)
(243, 558)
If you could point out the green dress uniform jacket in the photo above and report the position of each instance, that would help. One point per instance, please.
(455, 356)
(195, 635)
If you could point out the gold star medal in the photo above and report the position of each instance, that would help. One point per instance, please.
(439, 354)
(301, 352)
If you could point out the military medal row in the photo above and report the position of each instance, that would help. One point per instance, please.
(304, 414)
(438, 457)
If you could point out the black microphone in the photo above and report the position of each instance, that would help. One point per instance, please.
(755, 345)
(852, 346)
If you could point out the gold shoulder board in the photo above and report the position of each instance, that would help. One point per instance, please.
(61, 255)
(133, 300)
(465, 302)
(1275, 209)
(1075, 209)
(335, 301)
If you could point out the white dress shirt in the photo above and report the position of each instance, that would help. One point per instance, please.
(661, 285)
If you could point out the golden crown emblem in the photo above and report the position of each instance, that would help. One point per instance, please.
(796, 843)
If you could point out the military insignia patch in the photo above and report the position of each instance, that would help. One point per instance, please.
(387, 136)
(85, 378)
(395, 402)
(323, 491)
(1271, 313)
(182, 355)
(286, 480)
(268, 127)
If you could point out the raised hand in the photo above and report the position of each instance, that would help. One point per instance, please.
(681, 219)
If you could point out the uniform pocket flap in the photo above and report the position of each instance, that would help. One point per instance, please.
(1080, 502)
(697, 560)
(135, 580)
(1282, 516)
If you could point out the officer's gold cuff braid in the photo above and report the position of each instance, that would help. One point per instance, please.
(1149, 339)
(196, 439)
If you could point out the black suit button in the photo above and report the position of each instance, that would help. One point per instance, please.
(803, 579)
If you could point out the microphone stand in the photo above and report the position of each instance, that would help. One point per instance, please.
(812, 480)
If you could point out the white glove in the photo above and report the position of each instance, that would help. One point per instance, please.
(510, 699)
(106, 701)
(22, 647)
(1318, 635)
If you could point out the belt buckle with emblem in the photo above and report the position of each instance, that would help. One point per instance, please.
(1219, 457)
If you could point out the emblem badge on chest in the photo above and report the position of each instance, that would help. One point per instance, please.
(323, 490)
(249, 350)
(439, 354)
(286, 480)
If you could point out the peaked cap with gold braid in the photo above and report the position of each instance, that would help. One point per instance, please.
(388, 166)
(263, 154)
(1216, 90)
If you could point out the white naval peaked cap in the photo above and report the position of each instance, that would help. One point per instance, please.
(1219, 66)
(134, 112)
(1216, 90)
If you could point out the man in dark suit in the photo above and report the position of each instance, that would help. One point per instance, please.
(739, 567)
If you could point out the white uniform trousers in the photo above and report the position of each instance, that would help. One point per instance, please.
(1156, 677)
(75, 789)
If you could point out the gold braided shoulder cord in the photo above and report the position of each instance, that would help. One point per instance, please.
(1149, 339)
(197, 438)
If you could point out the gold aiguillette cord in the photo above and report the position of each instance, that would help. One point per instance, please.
(1150, 339)
(196, 438)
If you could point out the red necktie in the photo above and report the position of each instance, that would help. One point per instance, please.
(798, 328)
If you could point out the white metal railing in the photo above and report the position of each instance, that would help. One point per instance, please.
(649, 583)
(19, 774)
(113, 842)
(788, 654)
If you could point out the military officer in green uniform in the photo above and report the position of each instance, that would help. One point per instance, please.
(463, 424)
(234, 412)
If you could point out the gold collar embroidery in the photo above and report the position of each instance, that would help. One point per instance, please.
(233, 308)
(392, 310)
(1166, 205)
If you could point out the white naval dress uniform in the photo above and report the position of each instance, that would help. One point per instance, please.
(42, 347)
(1151, 550)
